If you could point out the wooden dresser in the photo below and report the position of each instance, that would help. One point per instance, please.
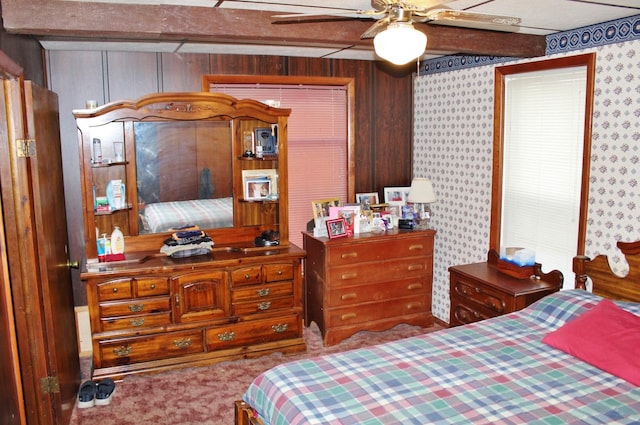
(156, 312)
(480, 291)
(368, 282)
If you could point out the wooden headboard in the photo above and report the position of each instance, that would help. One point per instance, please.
(605, 282)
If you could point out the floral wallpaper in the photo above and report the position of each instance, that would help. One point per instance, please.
(453, 140)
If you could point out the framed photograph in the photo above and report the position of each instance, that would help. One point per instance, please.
(396, 194)
(321, 208)
(267, 139)
(270, 174)
(336, 228)
(257, 189)
(395, 208)
(367, 198)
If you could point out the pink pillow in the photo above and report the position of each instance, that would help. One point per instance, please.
(606, 337)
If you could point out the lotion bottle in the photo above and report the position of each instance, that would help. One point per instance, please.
(117, 241)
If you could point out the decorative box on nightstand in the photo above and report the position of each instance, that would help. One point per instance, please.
(480, 291)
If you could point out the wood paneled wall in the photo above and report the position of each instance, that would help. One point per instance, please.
(383, 114)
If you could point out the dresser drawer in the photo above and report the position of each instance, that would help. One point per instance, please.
(278, 272)
(134, 306)
(253, 332)
(151, 286)
(246, 276)
(262, 306)
(131, 350)
(369, 312)
(379, 271)
(118, 289)
(375, 292)
(261, 292)
(377, 251)
(134, 322)
(462, 314)
(474, 293)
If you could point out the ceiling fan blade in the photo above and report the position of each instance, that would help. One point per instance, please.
(376, 28)
(463, 18)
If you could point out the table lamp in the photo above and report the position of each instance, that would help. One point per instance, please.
(421, 193)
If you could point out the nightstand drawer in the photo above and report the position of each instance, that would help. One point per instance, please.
(474, 293)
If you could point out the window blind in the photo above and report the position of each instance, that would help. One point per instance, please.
(543, 148)
(317, 134)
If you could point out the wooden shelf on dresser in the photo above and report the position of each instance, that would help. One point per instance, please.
(152, 312)
(368, 282)
(480, 291)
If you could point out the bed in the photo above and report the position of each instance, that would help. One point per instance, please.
(498, 371)
(205, 213)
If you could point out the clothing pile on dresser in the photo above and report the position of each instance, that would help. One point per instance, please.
(187, 241)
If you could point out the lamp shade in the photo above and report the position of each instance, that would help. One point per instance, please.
(421, 191)
(400, 43)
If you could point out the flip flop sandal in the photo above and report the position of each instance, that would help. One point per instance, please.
(105, 389)
(87, 394)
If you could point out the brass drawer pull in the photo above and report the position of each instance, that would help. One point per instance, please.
(263, 292)
(416, 247)
(413, 306)
(280, 328)
(246, 276)
(347, 276)
(279, 272)
(226, 336)
(115, 290)
(137, 322)
(413, 267)
(348, 255)
(264, 306)
(136, 308)
(414, 286)
(182, 343)
(153, 286)
(122, 351)
(348, 316)
(349, 296)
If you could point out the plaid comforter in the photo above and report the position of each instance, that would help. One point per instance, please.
(492, 372)
(205, 213)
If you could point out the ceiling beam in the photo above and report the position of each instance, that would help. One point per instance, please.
(86, 20)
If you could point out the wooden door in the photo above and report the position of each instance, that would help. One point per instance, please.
(37, 262)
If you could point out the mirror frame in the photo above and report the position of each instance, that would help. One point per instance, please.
(588, 60)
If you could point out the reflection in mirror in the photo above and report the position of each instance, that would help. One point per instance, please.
(541, 158)
(184, 175)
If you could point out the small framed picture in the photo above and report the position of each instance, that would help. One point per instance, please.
(266, 138)
(367, 198)
(321, 207)
(396, 194)
(257, 189)
(336, 228)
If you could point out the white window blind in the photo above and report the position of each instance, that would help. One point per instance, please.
(543, 150)
(317, 143)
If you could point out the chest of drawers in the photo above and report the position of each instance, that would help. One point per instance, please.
(160, 313)
(480, 291)
(368, 282)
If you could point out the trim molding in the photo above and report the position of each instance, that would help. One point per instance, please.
(616, 31)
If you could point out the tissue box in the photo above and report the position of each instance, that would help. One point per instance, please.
(517, 262)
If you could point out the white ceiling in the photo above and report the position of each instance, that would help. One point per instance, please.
(540, 17)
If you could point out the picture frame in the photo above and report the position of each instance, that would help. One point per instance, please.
(396, 194)
(367, 198)
(321, 207)
(265, 137)
(270, 174)
(336, 228)
(257, 189)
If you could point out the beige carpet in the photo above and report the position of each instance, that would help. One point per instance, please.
(205, 395)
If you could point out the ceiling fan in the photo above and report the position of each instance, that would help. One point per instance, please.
(396, 39)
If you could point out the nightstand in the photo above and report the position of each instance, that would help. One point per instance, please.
(480, 291)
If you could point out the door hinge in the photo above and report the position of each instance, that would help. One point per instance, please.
(49, 384)
(26, 147)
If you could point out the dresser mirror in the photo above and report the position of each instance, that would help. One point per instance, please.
(183, 175)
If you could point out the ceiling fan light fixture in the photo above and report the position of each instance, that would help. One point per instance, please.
(400, 43)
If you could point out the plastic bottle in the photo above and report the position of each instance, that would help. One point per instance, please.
(117, 241)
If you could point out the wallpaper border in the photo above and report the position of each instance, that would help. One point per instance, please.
(609, 32)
